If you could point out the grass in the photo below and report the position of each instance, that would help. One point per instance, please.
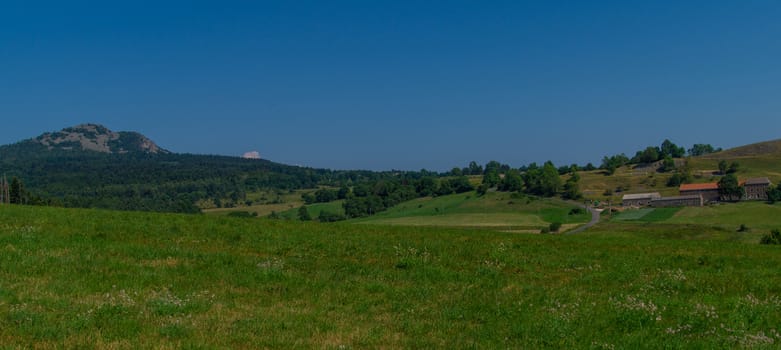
(632, 214)
(647, 215)
(73, 278)
(757, 216)
(750, 166)
(314, 210)
(263, 203)
(493, 210)
(466, 220)
(661, 214)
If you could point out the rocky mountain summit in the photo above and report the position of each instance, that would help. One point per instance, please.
(98, 138)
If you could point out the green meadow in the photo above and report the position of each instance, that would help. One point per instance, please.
(495, 210)
(758, 217)
(75, 278)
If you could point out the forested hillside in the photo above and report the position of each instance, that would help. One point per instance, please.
(91, 166)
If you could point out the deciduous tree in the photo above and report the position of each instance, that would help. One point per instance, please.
(730, 189)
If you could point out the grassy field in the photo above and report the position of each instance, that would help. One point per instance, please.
(314, 210)
(757, 216)
(750, 166)
(594, 183)
(647, 215)
(495, 210)
(99, 279)
(263, 203)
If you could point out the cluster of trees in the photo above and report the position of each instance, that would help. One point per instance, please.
(682, 175)
(774, 194)
(325, 195)
(699, 149)
(611, 163)
(374, 196)
(666, 152)
(13, 192)
(650, 154)
(533, 179)
(370, 198)
(731, 168)
(730, 188)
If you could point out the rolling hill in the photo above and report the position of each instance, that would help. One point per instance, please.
(759, 149)
(762, 159)
(91, 166)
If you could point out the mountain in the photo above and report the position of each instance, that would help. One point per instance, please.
(92, 138)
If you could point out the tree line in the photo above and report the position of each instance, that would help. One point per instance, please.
(666, 152)
(162, 182)
(372, 197)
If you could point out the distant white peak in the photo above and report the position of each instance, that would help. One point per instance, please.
(251, 155)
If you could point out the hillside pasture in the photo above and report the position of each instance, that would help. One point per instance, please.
(750, 166)
(493, 210)
(729, 216)
(647, 215)
(263, 203)
(625, 180)
(123, 280)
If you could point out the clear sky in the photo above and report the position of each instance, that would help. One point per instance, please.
(396, 84)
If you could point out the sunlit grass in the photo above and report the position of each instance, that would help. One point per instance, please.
(88, 278)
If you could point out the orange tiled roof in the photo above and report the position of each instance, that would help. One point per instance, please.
(699, 187)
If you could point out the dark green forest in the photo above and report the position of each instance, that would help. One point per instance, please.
(155, 182)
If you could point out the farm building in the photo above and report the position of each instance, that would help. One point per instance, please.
(639, 199)
(695, 200)
(709, 191)
(756, 188)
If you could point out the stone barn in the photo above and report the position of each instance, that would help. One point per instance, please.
(639, 199)
(756, 188)
(695, 200)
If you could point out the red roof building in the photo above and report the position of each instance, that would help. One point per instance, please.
(700, 187)
(709, 191)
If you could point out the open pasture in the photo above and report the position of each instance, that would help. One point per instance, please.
(89, 278)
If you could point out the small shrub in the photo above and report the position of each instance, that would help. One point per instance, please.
(743, 228)
(576, 211)
(241, 214)
(330, 217)
(554, 226)
(773, 238)
(545, 230)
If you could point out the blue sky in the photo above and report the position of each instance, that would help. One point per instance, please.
(396, 84)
